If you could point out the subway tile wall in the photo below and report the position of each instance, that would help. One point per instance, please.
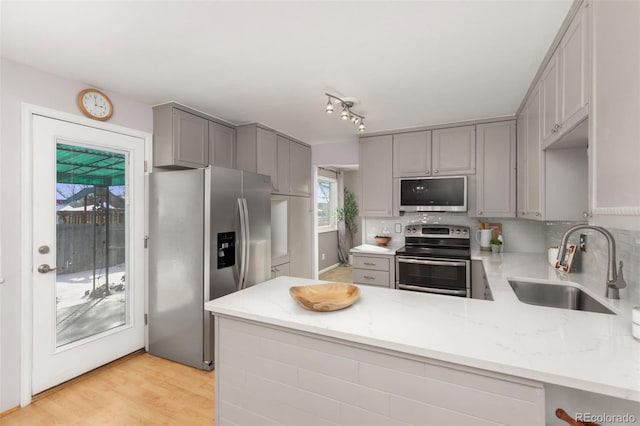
(519, 235)
(594, 259)
(526, 236)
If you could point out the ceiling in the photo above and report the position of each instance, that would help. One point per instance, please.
(407, 63)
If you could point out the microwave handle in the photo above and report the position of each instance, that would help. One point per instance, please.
(430, 262)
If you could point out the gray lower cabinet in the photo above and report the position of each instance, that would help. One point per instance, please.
(496, 169)
(374, 270)
(222, 145)
(376, 172)
(180, 139)
(453, 151)
(280, 270)
(300, 236)
(479, 283)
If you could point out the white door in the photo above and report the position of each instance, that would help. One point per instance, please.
(88, 254)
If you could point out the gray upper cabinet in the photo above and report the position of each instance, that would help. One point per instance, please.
(267, 155)
(454, 151)
(532, 165)
(283, 179)
(300, 232)
(265, 151)
(412, 154)
(222, 145)
(574, 72)
(549, 93)
(496, 169)
(564, 82)
(614, 148)
(376, 172)
(180, 139)
(300, 169)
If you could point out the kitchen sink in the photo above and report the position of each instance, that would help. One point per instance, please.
(557, 296)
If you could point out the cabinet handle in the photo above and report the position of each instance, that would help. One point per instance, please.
(538, 214)
(369, 264)
(427, 172)
(436, 171)
(586, 214)
(369, 278)
(480, 213)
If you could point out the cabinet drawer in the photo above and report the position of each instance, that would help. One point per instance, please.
(369, 277)
(375, 263)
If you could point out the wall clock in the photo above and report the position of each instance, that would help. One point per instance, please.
(95, 104)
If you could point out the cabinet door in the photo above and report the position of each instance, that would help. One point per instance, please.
(300, 169)
(534, 165)
(549, 98)
(300, 224)
(454, 151)
(521, 170)
(190, 139)
(412, 154)
(376, 176)
(267, 149)
(496, 171)
(614, 149)
(222, 145)
(283, 183)
(574, 72)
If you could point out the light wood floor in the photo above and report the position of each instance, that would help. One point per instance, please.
(142, 389)
(341, 274)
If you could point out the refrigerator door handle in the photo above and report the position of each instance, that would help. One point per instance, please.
(247, 258)
(243, 246)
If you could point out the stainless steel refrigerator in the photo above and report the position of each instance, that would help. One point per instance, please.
(209, 235)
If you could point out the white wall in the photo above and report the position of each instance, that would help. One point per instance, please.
(335, 154)
(18, 84)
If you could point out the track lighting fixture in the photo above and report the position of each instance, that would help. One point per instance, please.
(346, 113)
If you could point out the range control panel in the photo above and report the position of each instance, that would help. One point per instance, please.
(441, 231)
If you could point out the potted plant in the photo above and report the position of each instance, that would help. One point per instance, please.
(348, 214)
(496, 245)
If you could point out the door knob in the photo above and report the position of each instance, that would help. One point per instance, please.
(44, 268)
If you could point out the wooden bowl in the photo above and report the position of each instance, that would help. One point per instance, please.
(325, 297)
(383, 241)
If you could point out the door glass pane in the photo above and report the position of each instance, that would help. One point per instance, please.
(91, 287)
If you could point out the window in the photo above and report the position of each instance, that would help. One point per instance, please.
(327, 200)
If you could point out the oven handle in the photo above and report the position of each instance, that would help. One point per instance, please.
(431, 262)
(432, 290)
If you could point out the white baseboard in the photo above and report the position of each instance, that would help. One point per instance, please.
(328, 268)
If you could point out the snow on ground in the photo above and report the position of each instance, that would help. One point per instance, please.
(71, 288)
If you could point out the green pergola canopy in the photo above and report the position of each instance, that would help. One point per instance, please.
(86, 166)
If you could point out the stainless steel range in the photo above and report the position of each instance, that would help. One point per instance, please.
(435, 259)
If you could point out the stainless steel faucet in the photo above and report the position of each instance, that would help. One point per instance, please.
(612, 276)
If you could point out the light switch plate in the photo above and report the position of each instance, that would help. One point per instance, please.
(398, 228)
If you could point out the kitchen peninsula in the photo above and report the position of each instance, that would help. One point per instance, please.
(398, 357)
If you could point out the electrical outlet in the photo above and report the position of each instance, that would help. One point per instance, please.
(583, 242)
(398, 228)
(322, 256)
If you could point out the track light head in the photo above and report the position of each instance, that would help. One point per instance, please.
(361, 127)
(354, 119)
(329, 107)
(345, 114)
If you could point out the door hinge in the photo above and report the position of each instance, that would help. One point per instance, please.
(146, 319)
(145, 166)
(146, 241)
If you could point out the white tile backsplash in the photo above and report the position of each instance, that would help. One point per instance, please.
(519, 235)
(594, 259)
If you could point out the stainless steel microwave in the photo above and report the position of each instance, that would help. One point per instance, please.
(433, 194)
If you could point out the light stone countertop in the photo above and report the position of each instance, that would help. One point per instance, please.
(588, 351)
(389, 250)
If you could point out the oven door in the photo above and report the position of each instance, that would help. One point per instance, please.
(441, 276)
